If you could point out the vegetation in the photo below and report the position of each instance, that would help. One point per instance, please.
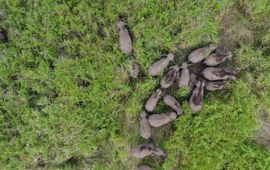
(66, 100)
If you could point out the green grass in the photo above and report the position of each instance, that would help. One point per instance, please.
(65, 95)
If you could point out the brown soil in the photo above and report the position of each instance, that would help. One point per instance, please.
(235, 29)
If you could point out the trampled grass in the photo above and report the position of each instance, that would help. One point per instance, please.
(67, 101)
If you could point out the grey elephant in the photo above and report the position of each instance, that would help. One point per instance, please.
(125, 41)
(196, 99)
(184, 76)
(151, 103)
(218, 58)
(157, 120)
(201, 53)
(160, 65)
(173, 103)
(215, 85)
(170, 77)
(145, 128)
(215, 73)
(144, 150)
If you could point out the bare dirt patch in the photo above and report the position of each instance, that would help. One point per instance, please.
(235, 29)
(262, 135)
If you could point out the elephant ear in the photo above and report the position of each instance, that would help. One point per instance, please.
(203, 83)
(198, 83)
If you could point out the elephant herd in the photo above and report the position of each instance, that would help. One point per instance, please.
(212, 78)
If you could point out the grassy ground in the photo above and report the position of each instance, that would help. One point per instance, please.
(67, 103)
